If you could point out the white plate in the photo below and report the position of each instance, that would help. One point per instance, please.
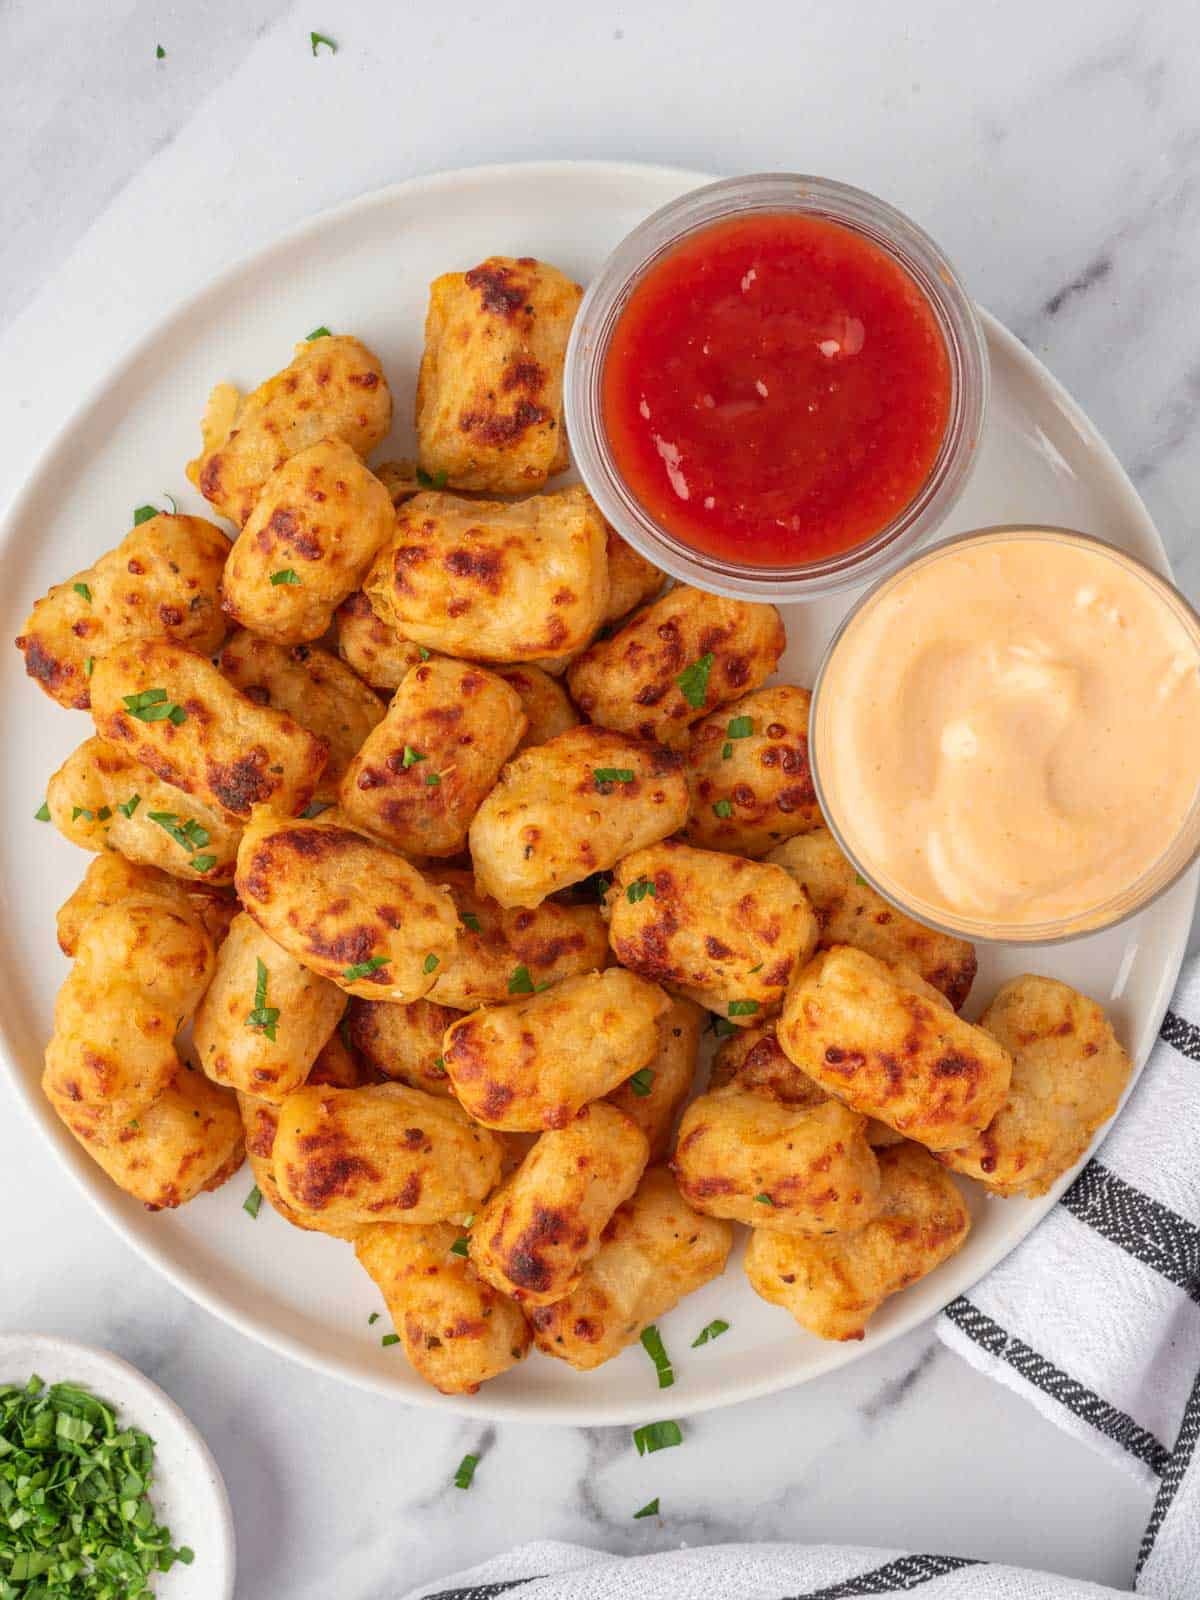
(365, 268)
(188, 1492)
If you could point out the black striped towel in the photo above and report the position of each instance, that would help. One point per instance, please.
(1095, 1319)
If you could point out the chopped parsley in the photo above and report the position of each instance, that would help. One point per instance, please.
(82, 589)
(372, 1319)
(89, 666)
(433, 780)
(763, 1200)
(143, 514)
(152, 705)
(202, 863)
(711, 1330)
(263, 1017)
(461, 1246)
(642, 1082)
(159, 53)
(323, 38)
(861, 881)
(411, 756)
(252, 1202)
(466, 1472)
(284, 575)
(657, 1436)
(742, 1008)
(430, 964)
(607, 775)
(189, 835)
(364, 969)
(693, 681)
(128, 807)
(596, 885)
(521, 983)
(722, 808)
(726, 750)
(42, 814)
(422, 652)
(757, 968)
(470, 920)
(389, 1339)
(432, 480)
(103, 814)
(439, 1066)
(653, 1346)
(318, 333)
(650, 1509)
(739, 728)
(82, 811)
(639, 889)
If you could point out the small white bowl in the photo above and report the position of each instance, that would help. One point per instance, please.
(188, 1492)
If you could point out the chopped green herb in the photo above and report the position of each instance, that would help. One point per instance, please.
(763, 1200)
(430, 964)
(284, 575)
(411, 756)
(318, 333)
(364, 969)
(461, 1246)
(82, 588)
(82, 811)
(739, 728)
(693, 681)
(431, 480)
(189, 835)
(722, 808)
(152, 705)
(372, 1319)
(439, 1066)
(754, 969)
(470, 920)
(603, 775)
(742, 1008)
(89, 666)
(642, 1081)
(650, 1509)
(639, 889)
(315, 809)
(519, 981)
(422, 652)
(159, 53)
(861, 881)
(726, 750)
(711, 1330)
(143, 514)
(466, 1472)
(202, 863)
(42, 814)
(103, 814)
(433, 780)
(657, 1436)
(723, 1028)
(468, 1219)
(389, 1339)
(595, 886)
(653, 1346)
(323, 38)
(128, 807)
(252, 1202)
(263, 1017)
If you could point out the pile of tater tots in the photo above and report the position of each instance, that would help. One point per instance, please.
(451, 833)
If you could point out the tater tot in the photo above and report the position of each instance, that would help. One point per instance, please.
(748, 774)
(140, 969)
(654, 1096)
(386, 1153)
(655, 1251)
(456, 1330)
(102, 799)
(162, 581)
(834, 1286)
(866, 1034)
(533, 1064)
(314, 687)
(793, 1169)
(548, 708)
(535, 1235)
(263, 1046)
(111, 879)
(403, 1042)
(728, 932)
(850, 912)
(174, 711)
(334, 388)
(502, 955)
(1069, 1073)
(420, 775)
(346, 907)
(307, 544)
(489, 580)
(187, 1142)
(571, 807)
(632, 580)
(371, 647)
(719, 648)
(489, 392)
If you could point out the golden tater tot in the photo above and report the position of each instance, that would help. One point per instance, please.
(654, 1096)
(348, 908)
(728, 932)
(867, 1035)
(315, 688)
(655, 1251)
(793, 1169)
(850, 912)
(535, 1235)
(174, 711)
(719, 648)
(834, 1286)
(489, 580)
(264, 1018)
(533, 1064)
(102, 799)
(111, 879)
(420, 775)
(571, 807)
(386, 1153)
(334, 388)
(371, 647)
(489, 392)
(307, 544)
(162, 581)
(456, 1330)
(187, 1142)
(504, 954)
(1068, 1076)
(548, 708)
(748, 774)
(632, 580)
(403, 1042)
(140, 969)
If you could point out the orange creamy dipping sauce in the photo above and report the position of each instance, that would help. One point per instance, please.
(1008, 733)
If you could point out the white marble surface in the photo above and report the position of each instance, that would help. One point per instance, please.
(1054, 150)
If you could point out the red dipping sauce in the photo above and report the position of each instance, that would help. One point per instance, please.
(776, 389)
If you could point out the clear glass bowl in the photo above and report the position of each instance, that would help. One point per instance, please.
(1136, 896)
(890, 231)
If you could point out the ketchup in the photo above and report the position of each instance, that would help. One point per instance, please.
(776, 389)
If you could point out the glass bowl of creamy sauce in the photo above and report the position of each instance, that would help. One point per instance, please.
(1005, 735)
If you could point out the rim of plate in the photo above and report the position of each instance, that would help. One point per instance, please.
(92, 1182)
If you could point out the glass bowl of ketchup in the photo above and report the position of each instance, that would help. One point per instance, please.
(776, 387)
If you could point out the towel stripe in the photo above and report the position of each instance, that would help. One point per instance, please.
(1173, 1475)
(1182, 1034)
(895, 1577)
(1034, 1368)
(483, 1591)
(1152, 1232)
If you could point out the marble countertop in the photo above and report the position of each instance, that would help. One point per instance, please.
(1056, 159)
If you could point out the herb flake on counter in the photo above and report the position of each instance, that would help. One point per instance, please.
(711, 1330)
(655, 1436)
(263, 1017)
(42, 814)
(287, 575)
(653, 1346)
(364, 969)
(464, 1477)
(143, 514)
(693, 681)
(642, 1081)
(372, 1319)
(252, 1202)
(318, 333)
(317, 39)
(650, 1509)
(389, 1339)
